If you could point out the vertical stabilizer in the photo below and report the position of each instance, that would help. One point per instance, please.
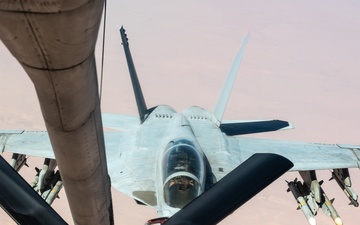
(226, 90)
(140, 101)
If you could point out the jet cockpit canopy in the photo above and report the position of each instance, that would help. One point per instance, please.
(183, 172)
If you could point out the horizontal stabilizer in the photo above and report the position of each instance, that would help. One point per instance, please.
(232, 128)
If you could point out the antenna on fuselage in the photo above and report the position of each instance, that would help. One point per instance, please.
(140, 101)
(226, 90)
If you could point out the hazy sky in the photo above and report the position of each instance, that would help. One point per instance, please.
(301, 64)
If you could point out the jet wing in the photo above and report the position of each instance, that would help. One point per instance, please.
(131, 169)
(34, 143)
(305, 156)
(37, 143)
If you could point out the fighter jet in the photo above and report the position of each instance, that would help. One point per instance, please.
(54, 42)
(170, 160)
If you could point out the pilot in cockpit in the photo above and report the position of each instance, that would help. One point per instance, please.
(183, 183)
